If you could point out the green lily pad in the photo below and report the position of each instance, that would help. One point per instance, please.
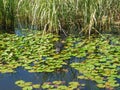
(101, 85)
(57, 82)
(36, 86)
(81, 77)
(27, 88)
(20, 83)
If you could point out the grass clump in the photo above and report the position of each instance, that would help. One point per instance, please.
(68, 15)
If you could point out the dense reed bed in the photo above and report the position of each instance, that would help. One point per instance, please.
(81, 16)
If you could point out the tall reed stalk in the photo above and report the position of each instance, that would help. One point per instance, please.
(7, 15)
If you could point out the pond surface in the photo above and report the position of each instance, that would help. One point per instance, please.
(87, 64)
(7, 81)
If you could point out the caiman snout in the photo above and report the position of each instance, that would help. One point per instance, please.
(59, 46)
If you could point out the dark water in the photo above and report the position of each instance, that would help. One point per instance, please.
(7, 81)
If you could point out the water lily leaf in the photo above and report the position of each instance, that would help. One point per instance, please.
(20, 83)
(114, 84)
(28, 67)
(57, 82)
(55, 39)
(81, 77)
(36, 86)
(101, 85)
(102, 60)
(28, 83)
(62, 87)
(47, 86)
(97, 64)
(27, 88)
(73, 84)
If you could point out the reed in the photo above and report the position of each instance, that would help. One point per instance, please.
(81, 16)
(7, 15)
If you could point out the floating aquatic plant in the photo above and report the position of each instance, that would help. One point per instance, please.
(101, 67)
(37, 54)
(27, 85)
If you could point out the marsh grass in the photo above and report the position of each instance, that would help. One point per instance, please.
(81, 16)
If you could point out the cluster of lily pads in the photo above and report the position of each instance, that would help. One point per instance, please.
(32, 52)
(27, 85)
(102, 64)
(36, 53)
(55, 85)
